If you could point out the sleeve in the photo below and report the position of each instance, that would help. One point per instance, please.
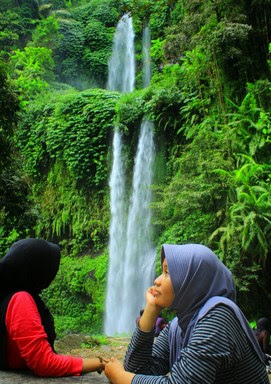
(25, 329)
(144, 356)
(211, 348)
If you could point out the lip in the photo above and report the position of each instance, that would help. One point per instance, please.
(156, 293)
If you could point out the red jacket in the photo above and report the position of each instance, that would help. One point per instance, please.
(27, 344)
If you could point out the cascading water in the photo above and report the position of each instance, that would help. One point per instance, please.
(121, 78)
(146, 56)
(131, 253)
(117, 234)
(121, 65)
(139, 254)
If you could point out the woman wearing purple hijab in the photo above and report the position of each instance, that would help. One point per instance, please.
(209, 341)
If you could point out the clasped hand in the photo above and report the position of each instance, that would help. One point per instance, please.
(115, 372)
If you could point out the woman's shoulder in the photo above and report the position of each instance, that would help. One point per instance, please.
(221, 318)
(220, 326)
(220, 310)
(21, 298)
(21, 308)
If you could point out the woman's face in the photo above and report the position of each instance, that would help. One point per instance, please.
(163, 291)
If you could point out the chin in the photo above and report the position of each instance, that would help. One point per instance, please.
(160, 303)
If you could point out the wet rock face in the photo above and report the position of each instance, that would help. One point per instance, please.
(16, 377)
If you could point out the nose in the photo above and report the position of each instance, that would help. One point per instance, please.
(157, 280)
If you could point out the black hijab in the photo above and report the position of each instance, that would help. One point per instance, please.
(30, 265)
(263, 324)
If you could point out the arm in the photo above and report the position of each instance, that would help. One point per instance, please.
(138, 361)
(25, 329)
(139, 355)
(212, 350)
(145, 357)
(93, 365)
(116, 374)
(265, 341)
(151, 312)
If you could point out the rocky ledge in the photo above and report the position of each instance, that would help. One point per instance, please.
(12, 377)
(76, 345)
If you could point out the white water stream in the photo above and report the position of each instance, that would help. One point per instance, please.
(131, 254)
(121, 65)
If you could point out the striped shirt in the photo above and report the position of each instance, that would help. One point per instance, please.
(218, 352)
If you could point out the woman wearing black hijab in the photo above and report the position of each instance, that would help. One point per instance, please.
(262, 333)
(26, 326)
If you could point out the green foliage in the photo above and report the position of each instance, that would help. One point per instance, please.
(76, 296)
(249, 211)
(156, 52)
(186, 206)
(251, 124)
(32, 69)
(46, 33)
(97, 35)
(95, 341)
(7, 238)
(8, 108)
(17, 21)
(130, 110)
(10, 29)
(163, 108)
(97, 63)
(74, 128)
(73, 38)
(14, 205)
(269, 61)
(209, 99)
(245, 229)
(69, 50)
(233, 40)
(83, 52)
(105, 11)
(157, 13)
(64, 141)
(66, 212)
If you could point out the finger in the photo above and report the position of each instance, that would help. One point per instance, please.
(105, 360)
(152, 290)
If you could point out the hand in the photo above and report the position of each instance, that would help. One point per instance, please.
(93, 364)
(105, 361)
(151, 311)
(115, 372)
(150, 299)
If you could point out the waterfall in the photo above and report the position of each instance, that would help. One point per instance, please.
(121, 65)
(146, 56)
(139, 254)
(116, 236)
(121, 78)
(131, 255)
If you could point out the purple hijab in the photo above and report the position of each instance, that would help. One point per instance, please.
(200, 282)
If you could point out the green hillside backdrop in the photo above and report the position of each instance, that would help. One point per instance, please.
(210, 101)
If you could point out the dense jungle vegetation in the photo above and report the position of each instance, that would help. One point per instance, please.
(210, 101)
